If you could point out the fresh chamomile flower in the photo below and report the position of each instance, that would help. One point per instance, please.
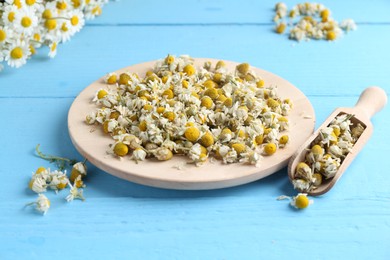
(92, 10)
(6, 35)
(9, 15)
(42, 204)
(25, 22)
(76, 20)
(17, 53)
(53, 49)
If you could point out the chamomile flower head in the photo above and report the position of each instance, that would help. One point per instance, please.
(78, 169)
(76, 20)
(301, 201)
(53, 49)
(17, 53)
(75, 193)
(6, 35)
(139, 154)
(25, 22)
(9, 15)
(38, 184)
(42, 204)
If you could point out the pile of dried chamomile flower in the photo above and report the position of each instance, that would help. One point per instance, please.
(327, 152)
(201, 113)
(315, 22)
(44, 178)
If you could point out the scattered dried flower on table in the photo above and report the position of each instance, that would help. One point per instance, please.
(315, 22)
(204, 112)
(44, 178)
(42, 204)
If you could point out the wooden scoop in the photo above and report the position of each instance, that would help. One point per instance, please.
(371, 101)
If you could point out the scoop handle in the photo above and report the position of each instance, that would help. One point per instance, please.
(371, 101)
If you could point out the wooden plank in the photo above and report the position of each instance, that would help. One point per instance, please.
(344, 67)
(205, 12)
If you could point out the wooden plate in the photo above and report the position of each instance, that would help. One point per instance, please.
(94, 144)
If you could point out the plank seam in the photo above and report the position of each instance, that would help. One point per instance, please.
(201, 24)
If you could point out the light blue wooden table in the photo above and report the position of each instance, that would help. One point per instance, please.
(123, 220)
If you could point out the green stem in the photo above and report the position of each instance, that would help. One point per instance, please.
(60, 161)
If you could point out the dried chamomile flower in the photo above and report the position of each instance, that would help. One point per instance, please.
(75, 192)
(42, 204)
(315, 22)
(78, 169)
(38, 184)
(177, 108)
(58, 180)
(327, 152)
(300, 201)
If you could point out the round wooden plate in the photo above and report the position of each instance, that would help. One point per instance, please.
(92, 143)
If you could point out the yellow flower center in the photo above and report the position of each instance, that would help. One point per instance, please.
(64, 28)
(30, 2)
(101, 94)
(87, 1)
(97, 10)
(46, 14)
(26, 22)
(74, 20)
(61, 185)
(17, 53)
(301, 201)
(18, 4)
(11, 16)
(3, 35)
(111, 79)
(61, 5)
(53, 46)
(40, 170)
(37, 37)
(32, 49)
(51, 24)
(76, 3)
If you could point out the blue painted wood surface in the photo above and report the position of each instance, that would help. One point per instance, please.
(120, 219)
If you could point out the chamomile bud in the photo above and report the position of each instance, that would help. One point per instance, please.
(270, 149)
(163, 154)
